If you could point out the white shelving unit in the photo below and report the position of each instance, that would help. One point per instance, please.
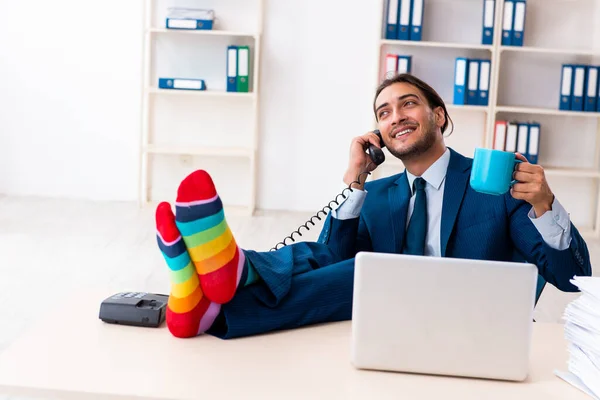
(194, 128)
(524, 86)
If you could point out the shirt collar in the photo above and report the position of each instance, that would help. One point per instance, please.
(435, 174)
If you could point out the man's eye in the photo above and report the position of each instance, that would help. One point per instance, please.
(383, 113)
(410, 102)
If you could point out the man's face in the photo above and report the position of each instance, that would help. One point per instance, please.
(407, 124)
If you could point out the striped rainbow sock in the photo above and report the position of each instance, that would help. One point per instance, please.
(219, 261)
(189, 312)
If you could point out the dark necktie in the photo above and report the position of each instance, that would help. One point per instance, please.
(417, 227)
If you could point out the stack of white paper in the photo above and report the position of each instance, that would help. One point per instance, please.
(193, 13)
(582, 331)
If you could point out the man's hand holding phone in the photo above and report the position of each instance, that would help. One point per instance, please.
(360, 160)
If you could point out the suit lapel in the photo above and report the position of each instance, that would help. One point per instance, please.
(457, 178)
(399, 198)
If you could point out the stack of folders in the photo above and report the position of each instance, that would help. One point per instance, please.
(238, 65)
(404, 19)
(513, 22)
(397, 64)
(190, 18)
(582, 332)
(471, 81)
(579, 90)
(522, 137)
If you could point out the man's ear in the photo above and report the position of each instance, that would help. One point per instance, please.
(440, 118)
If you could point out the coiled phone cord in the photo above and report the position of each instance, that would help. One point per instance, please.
(323, 211)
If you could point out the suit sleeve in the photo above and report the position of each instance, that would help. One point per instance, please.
(346, 237)
(557, 267)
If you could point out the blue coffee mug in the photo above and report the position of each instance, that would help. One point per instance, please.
(492, 171)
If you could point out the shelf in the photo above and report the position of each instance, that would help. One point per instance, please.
(199, 151)
(200, 93)
(205, 32)
(415, 43)
(391, 161)
(467, 107)
(547, 111)
(572, 172)
(526, 49)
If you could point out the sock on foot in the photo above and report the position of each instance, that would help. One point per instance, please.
(219, 261)
(189, 312)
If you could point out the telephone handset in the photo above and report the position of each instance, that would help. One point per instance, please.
(377, 157)
(376, 154)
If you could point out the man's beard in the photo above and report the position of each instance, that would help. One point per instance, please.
(425, 142)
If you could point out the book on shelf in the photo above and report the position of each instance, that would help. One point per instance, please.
(471, 81)
(397, 64)
(181, 84)
(189, 18)
(404, 19)
(579, 88)
(237, 68)
(513, 22)
(489, 12)
(232, 67)
(518, 136)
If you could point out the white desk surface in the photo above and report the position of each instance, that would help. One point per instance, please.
(72, 354)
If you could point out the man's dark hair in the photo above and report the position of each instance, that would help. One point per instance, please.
(433, 98)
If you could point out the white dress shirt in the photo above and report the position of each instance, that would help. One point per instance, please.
(554, 225)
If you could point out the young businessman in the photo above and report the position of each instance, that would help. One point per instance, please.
(428, 210)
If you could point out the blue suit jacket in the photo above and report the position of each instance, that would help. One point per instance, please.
(473, 226)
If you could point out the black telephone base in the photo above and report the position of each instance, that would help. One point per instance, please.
(135, 309)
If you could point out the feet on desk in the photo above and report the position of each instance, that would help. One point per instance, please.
(205, 261)
(200, 219)
(189, 311)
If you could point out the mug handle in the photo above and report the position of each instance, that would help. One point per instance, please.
(516, 163)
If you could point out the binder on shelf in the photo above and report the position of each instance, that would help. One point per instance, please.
(473, 83)
(566, 86)
(534, 143)
(189, 18)
(404, 64)
(243, 59)
(523, 139)
(232, 68)
(591, 90)
(511, 137)
(484, 82)
(404, 19)
(181, 84)
(416, 20)
(519, 23)
(598, 92)
(489, 7)
(391, 65)
(499, 142)
(507, 24)
(397, 64)
(461, 69)
(391, 25)
(578, 87)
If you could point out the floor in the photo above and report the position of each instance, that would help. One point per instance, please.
(48, 246)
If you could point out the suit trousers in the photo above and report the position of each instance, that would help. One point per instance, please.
(301, 284)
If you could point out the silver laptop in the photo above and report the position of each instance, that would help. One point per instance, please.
(443, 316)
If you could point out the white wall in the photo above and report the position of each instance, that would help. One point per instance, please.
(70, 98)
(319, 77)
